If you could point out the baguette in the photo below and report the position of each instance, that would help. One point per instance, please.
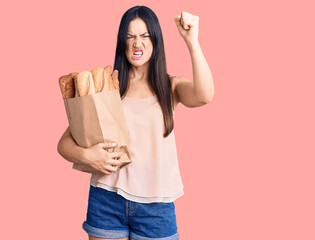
(107, 78)
(84, 84)
(98, 78)
(66, 84)
(115, 79)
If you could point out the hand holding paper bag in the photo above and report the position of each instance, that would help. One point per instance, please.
(94, 111)
(102, 159)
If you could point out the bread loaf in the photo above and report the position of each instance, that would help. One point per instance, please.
(115, 79)
(84, 84)
(107, 78)
(98, 78)
(66, 84)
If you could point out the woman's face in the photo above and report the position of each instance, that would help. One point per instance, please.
(139, 44)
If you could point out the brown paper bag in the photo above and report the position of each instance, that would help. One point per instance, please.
(97, 118)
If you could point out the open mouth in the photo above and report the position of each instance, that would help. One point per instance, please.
(137, 54)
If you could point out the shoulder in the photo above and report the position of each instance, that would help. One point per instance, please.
(173, 83)
(175, 80)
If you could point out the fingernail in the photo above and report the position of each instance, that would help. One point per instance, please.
(114, 144)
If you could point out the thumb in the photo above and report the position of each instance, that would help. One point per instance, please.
(177, 20)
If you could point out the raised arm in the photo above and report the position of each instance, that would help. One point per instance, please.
(201, 90)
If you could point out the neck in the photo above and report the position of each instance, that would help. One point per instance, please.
(138, 73)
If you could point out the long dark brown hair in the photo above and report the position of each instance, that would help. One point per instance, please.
(159, 79)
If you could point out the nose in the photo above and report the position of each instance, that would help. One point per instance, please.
(137, 43)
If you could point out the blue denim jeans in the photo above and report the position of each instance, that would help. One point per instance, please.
(110, 215)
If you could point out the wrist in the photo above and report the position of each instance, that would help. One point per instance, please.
(83, 156)
(192, 43)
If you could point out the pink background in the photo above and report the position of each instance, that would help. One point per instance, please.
(246, 159)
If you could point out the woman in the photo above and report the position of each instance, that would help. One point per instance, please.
(137, 201)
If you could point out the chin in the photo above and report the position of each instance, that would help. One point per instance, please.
(138, 63)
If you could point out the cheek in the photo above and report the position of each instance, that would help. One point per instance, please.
(151, 49)
(127, 51)
(128, 47)
(151, 46)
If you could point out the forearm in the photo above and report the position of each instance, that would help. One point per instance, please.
(203, 81)
(70, 151)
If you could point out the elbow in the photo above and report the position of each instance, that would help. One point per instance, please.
(208, 99)
(59, 147)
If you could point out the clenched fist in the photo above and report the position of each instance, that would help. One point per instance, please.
(188, 26)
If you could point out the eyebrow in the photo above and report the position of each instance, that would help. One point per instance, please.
(140, 35)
